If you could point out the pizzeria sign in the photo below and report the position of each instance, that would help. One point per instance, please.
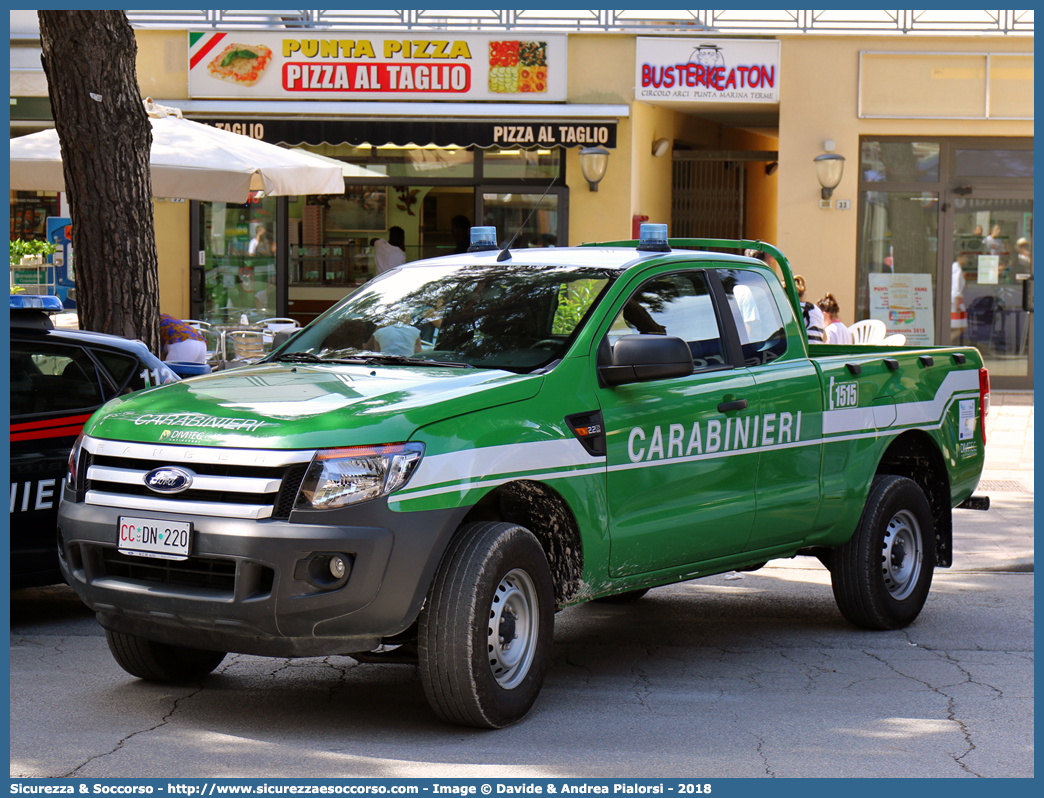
(325, 65)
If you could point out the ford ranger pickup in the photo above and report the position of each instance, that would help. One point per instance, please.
(465, 445)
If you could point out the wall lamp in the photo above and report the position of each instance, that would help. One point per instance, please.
(829, 167)
(660, 147)
(593, 163)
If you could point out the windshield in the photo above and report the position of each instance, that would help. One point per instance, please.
(509, 316)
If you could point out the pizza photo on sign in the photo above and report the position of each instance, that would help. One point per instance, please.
(517, 67)
(241, 63)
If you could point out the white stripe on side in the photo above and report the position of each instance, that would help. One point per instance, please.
(862, 418)
(470, 464)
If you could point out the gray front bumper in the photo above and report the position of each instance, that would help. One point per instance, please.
(243, 589)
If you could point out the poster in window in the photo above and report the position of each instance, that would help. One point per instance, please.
(904, 303)
(359, 209)
(989, 270)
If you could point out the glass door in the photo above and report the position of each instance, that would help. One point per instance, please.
(538, 221)
(990, 280)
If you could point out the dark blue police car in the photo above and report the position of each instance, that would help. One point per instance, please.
(58, 379)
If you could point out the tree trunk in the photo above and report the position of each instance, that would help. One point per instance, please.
(105, 136)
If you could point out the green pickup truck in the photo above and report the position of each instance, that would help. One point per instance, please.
(465, 445)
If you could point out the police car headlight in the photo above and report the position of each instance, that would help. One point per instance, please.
(74, 458)
(339, 477)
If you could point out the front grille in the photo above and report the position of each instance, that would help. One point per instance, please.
(288, 492)
(231, 483)
(197, 572)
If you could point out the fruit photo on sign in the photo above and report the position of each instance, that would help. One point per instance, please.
(517, 67)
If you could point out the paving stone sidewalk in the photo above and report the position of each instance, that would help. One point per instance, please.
(1002, 538)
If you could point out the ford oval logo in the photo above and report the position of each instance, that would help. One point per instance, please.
(168, 479)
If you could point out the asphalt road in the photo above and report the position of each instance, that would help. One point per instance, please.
(756, 676)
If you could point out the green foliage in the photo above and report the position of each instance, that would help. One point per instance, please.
(573, 301)
(20, 249)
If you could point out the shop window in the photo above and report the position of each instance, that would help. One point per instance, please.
(994, 163)
(898, 254)
(900, 161)
(425, 162)
(29, 212)
(239, 277)
(520, 164)
(393, 161)
(533, 217)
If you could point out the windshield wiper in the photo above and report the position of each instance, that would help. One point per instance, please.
(299, 357)
(374, 360)
(396, 360)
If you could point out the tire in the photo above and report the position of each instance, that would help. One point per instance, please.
(881, 576)
(160, 662)
(624, 598)
(493, 581)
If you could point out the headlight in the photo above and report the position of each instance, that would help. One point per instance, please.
(338, 477)
(74, 457)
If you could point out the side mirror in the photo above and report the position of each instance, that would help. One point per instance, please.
(1027, 294)
(640, 358)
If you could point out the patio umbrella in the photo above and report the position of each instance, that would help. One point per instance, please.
(190, 161)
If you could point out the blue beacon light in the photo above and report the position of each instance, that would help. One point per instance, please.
(653, 238)
(483, 239)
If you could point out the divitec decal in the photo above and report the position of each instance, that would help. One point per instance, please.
(707, 70)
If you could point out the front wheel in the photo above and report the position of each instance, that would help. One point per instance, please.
(485, 633)
(160, 662)
(881, 576)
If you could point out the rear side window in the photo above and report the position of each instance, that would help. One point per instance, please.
(52, 378)
(762, 336)
(679, 305)
(126, 370)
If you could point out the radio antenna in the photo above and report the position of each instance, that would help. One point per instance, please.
(505, 254)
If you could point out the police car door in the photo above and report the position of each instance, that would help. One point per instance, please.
(788, 432)
(681, 462)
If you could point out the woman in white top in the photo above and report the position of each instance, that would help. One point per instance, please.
(836, 332)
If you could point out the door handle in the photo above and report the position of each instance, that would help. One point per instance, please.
(739, 404)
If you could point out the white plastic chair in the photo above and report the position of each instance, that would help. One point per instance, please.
(896, 339)
(868, 331)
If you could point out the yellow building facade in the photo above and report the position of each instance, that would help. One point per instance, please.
(954, 112)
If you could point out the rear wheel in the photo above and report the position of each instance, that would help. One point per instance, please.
(486, 629)
(881, 577)
(160, 662)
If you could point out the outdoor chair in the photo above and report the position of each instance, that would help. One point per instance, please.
(897, 339)
(248, 346)
(868, 331)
